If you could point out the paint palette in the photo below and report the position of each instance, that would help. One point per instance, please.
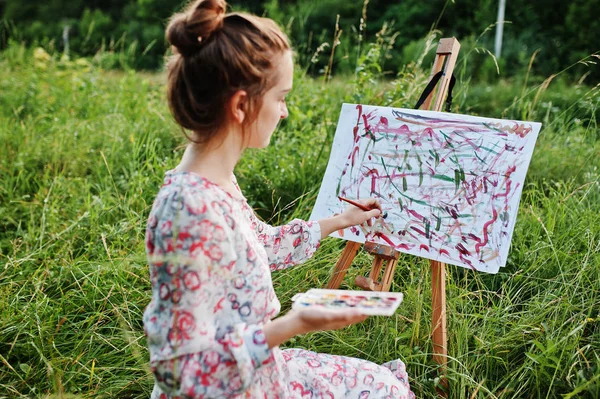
(368, 302)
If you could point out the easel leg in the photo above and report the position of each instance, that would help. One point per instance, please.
(388, 275)
(376, 269)
(342, 265)
(446, 56)
(371, 283)
(438, 321)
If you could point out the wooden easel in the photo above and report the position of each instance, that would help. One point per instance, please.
(386, 257)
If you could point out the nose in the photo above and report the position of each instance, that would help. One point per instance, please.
(284, 111)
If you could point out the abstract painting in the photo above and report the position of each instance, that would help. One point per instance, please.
(449, 184)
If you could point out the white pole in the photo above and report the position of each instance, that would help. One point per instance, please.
(65, 37)
(499, 28)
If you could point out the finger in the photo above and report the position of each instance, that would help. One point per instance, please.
(347, 318)
(356, 314)
(374, 213)
(343, 315)
(357, 319)
(373, 203)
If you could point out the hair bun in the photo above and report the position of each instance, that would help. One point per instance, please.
(189, 29)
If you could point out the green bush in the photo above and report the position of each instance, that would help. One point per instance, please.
(550, 30)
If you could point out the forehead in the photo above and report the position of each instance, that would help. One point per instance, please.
(284, 71)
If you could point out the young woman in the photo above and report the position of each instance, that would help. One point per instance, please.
(210, 325)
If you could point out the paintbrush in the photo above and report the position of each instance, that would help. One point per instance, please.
(356, 204)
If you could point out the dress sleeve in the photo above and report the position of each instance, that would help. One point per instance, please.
(286, 245)
(194, 257)
(290, 244)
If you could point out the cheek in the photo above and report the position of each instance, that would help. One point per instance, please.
(276, 113)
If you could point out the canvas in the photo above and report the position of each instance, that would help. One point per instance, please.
(449, 184)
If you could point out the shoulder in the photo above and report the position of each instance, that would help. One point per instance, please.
(188, 197)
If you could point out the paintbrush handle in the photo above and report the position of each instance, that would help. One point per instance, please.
(356, 204)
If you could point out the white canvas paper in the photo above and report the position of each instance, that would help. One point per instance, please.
(449, 184)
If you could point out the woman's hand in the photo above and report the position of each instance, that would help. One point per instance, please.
(351, 216)
(320, 319)
(302, 321)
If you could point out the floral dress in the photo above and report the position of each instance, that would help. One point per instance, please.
(210, 263)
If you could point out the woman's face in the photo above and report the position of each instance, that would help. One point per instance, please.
(273, 107)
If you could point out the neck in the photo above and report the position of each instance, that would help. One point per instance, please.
(214, 161)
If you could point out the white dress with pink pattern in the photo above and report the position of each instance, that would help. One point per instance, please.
(210, 263)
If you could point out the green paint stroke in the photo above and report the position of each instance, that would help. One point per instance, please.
(456, 179)
(489, 150)
(416, 201)
(443, 177)
(481, 159)
(448, 139)
(435, 156)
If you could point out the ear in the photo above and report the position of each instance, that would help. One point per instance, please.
(237, 106)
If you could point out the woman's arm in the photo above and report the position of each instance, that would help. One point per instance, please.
(303, 321)
(297, 241)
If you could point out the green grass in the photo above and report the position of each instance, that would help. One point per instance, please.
(82, 155)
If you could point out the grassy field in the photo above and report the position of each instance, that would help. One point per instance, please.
(82, 155)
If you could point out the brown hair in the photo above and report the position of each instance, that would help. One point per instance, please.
(217, 54)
